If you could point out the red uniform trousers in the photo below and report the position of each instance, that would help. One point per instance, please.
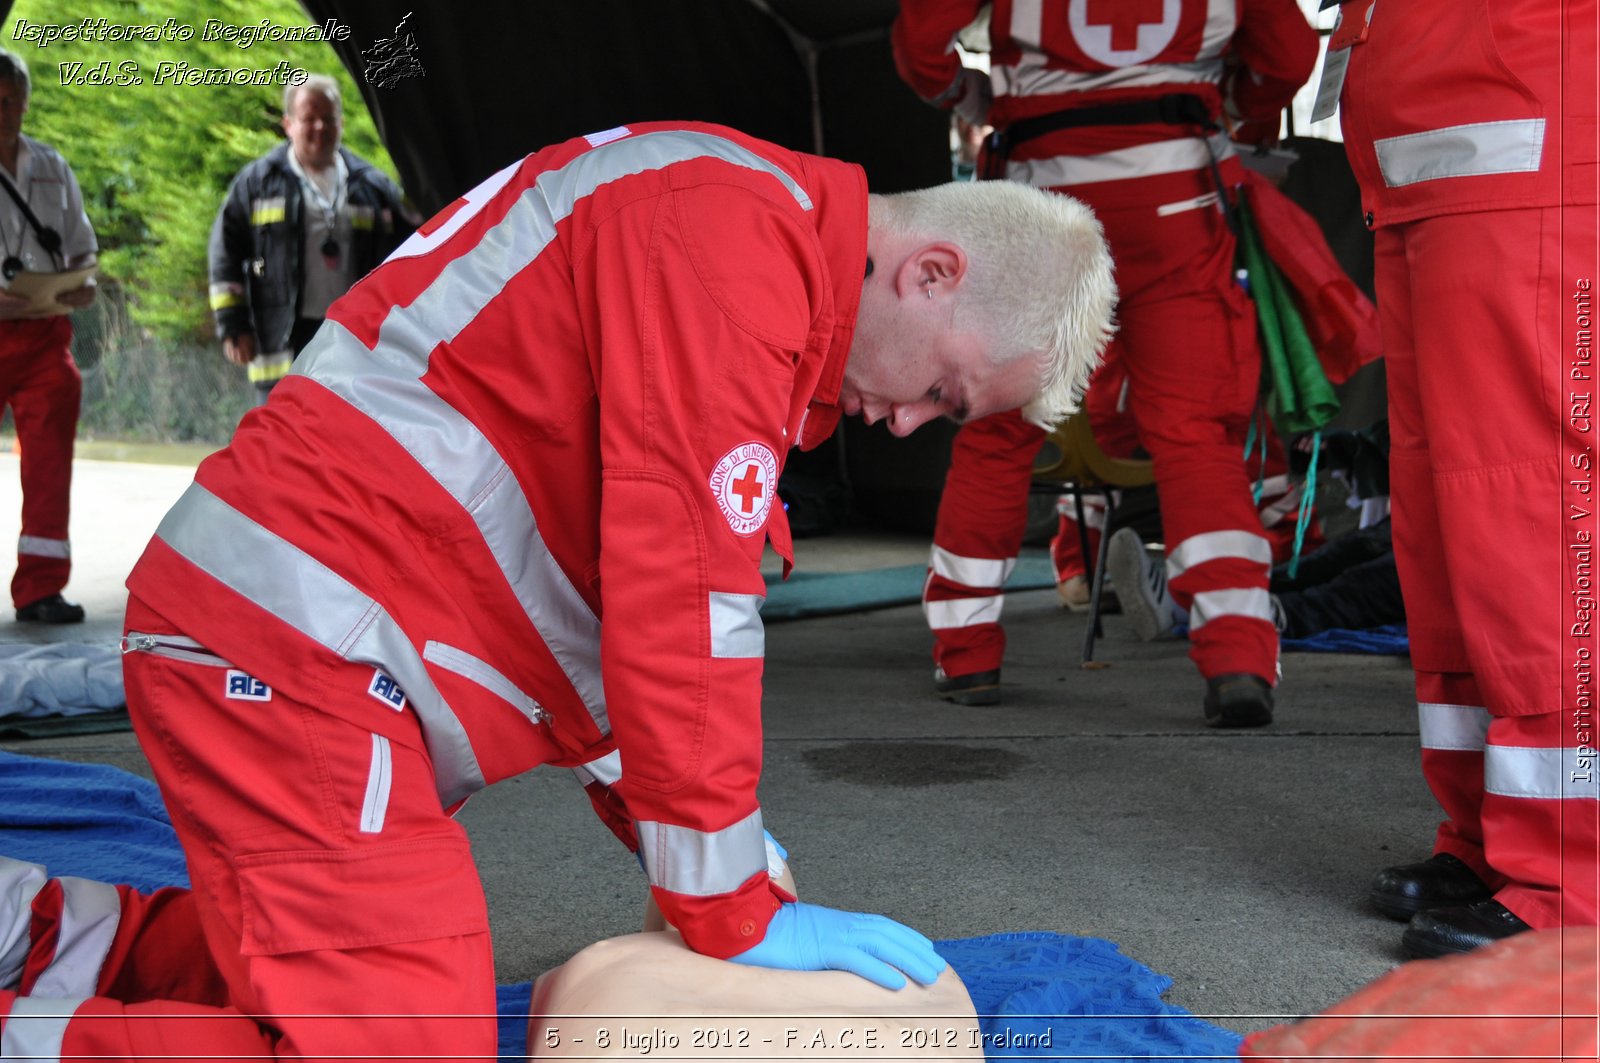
(1187, 335)
(1277, 499)
(1106, 405)
(100, 957)
(338, 902)
(41, 384)
(1488, 405)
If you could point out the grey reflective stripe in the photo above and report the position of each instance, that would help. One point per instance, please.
(1222, 18)
(977, 572)
(1167, 210)
(1541, 774)
(35, 546)
(420, 243)
(1277, 485)
(606, 770)
(1027, 23)
(90, 912)
(702, 863)
(326, 608)
(485, 675)
(1252, 602)
(1030, 77)
(1459, 727)
(963, 612)
(736, 629)
(1143, 160)
(1214, 546)
(380, 774)
(1471, 150)
(385, 383)
(20, 883)
(35, 1029)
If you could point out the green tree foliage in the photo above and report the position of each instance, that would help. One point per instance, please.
(155, 159)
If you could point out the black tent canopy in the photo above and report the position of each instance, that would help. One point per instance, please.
(500, 78)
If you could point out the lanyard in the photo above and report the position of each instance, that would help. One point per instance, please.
(49, 239)
(328, 207)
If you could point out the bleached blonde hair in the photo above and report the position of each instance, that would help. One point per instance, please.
(1038, 277)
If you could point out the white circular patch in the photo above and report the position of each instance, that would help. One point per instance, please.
(744, 482)
(1123, 32)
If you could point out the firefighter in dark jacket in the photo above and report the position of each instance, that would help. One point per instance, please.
(299, 226)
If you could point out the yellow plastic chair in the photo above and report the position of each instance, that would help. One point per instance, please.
(1070, 461)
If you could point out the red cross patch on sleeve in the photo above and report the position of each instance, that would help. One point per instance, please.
(744, 483)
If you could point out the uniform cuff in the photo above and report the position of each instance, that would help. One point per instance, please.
(724, 925)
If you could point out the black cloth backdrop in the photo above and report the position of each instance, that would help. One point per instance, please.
(502, 78)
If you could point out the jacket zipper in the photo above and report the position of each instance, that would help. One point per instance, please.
(177, 647)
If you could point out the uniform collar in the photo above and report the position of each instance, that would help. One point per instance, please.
(841, 205)
(25, 156)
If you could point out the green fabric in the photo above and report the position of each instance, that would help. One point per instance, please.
(108, 722)
(1300, 397)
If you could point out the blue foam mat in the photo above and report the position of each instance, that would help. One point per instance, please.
(1388, 639)
(822, 593)
(1037, 994)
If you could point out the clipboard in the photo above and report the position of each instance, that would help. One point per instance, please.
(41, 289)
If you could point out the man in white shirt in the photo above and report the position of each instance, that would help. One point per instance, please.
(43, 229)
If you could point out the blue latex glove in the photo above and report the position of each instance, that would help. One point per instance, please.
(808, 937)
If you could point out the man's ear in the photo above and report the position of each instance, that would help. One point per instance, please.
(935, 268)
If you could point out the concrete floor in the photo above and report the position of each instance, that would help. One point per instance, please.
(1091, 802)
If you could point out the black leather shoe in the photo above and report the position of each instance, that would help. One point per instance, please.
(1441, 881)
(978, 688)
(52, 610)
(1446, 931)
(1238, 699)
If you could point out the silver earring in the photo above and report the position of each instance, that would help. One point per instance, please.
(929, 291)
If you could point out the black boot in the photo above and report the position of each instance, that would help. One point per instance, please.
(978, 688)
(52, 610)
(1441, 881)
(1238, 699)
(1446, 931)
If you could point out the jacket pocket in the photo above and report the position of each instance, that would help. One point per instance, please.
(304, 901)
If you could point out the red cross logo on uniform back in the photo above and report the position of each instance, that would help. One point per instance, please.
(749, 487)
(1124, 17)
(1120, 33)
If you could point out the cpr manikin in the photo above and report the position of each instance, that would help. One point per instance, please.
(646, 993)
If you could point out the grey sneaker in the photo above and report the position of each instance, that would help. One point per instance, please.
(1142, 587)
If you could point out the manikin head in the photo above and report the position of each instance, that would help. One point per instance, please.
(981, 297)
(313, 120)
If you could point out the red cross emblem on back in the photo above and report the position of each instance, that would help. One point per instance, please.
(1124, 17)
(749, 487)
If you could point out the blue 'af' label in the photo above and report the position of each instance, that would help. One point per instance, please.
(386, 690)
(245, 687)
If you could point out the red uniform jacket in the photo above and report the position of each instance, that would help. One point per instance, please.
(1453, 107)
(526, 472)
(1052, 55)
